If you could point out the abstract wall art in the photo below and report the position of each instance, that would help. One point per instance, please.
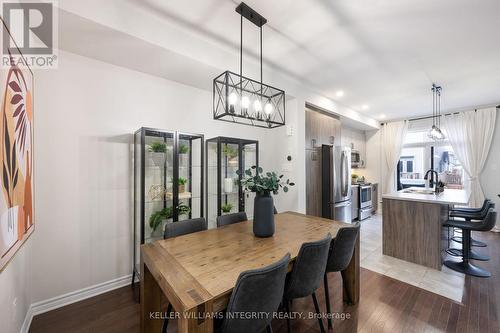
(16, 155)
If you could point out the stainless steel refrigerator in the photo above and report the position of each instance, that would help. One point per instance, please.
(336, 183)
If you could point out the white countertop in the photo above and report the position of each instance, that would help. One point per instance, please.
(448, 197)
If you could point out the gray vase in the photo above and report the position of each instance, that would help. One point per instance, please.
(263, 215)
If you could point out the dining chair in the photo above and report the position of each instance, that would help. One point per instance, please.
(180, 228)
(184, 227)
(231, 218)
(258, 291)
(307, 272)
(339, 257)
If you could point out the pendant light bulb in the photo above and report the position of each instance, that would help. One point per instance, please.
(233, 98)
(245, 102)
(257, 105)
(268, 109)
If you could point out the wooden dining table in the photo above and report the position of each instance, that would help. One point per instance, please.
(197, 272)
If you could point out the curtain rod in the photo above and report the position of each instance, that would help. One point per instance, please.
(447, 114)
(429, 117)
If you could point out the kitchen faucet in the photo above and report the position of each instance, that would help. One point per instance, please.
(433, 172)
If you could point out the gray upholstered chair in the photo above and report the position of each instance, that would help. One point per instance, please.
(339, 257)
(180, 228)
(307, 272)
(231, 218)
(257, 291)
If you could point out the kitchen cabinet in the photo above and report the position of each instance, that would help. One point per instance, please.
(354, 202)
(356, 140)
(321, 129)
(313, 184)
(374, 198)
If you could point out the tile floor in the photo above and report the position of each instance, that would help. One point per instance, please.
(446, 283)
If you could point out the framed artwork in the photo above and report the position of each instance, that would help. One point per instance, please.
(16, 154)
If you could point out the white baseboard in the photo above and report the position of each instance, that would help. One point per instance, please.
(72, 297)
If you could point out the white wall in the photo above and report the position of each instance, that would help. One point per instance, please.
(86, 112)
(15, 290)
(490, 180)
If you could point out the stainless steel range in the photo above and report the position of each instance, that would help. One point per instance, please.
(365, 201)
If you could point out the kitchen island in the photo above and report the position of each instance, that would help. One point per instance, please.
(412, 224)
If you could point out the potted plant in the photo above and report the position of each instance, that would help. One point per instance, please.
(263, 185)
(157, 150)
(231, 154)
(226, 208)
(156, 219)
(182, 184)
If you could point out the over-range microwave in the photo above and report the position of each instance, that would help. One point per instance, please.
(356, 161)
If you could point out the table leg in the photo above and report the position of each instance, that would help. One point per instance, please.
(350, 278)
(151, 319)
(197, 320)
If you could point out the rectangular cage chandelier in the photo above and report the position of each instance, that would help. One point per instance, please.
(242, 100)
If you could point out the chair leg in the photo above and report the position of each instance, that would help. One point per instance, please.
(465, 266)
(327, 301)
(316, 306)
(269, 328)
(165, 321)
(287, 309)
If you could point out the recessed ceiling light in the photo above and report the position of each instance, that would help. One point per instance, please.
(339, 93)
(365, 106)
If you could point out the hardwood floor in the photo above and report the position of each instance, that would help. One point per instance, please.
(386, 305)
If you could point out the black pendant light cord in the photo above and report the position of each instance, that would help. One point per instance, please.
(433, 105)
(241, 53)
(439, 109)
(261, 57)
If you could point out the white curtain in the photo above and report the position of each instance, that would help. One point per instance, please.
(470, 134)
(393, 135)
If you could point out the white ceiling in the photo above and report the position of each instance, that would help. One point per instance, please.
(382, 53)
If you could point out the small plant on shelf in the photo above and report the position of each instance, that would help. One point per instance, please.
(226, 208)
(182, 184)
(166, 213)
(183, 149)
(157, 147)
(229, 151)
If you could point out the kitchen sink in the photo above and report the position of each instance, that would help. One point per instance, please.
(419, 190)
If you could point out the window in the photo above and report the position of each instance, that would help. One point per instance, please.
(409, 166)
(420, 154)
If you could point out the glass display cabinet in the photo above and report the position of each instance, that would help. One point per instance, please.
(168, 182)
(225, 156)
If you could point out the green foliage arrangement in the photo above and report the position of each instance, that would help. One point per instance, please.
(182, 181)
(270, 183)
(166, 213)
(226, 208)
(157, 147)
(229, 151)
(183, 149)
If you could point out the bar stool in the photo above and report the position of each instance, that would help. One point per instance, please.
(465, 266)
(472, 214)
